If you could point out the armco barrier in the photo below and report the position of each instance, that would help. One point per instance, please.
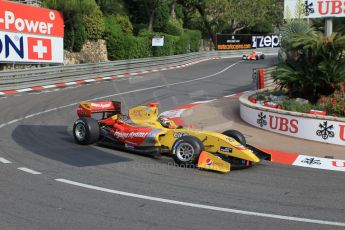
(263, 77)
(59, 74)
(319, 128)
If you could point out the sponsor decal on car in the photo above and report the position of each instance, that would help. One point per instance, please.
(209, 162)
(225, 149)
(101, 105)
(179, 134)
(240, 147)
(130, 135)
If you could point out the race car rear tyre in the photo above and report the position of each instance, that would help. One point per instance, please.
(238, 136)
(86, 131)
(186, 150)
(263, 56)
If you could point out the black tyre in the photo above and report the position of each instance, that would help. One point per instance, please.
(86, 131)
(257, 57)
(186, 150)
(238, 136)
(263, 56)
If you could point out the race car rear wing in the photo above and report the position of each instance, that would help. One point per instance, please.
(85, 109)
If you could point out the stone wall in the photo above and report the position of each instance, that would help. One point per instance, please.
(92, 51)
(206, 45)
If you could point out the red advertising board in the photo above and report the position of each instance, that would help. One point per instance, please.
(30, 34)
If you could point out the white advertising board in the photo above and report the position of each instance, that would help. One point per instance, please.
(332, 132)
(314, 8)
(158, 41)
(30, 34)
(17, 47)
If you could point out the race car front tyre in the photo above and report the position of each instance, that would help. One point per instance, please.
(86, 131)
(263, 56)
(186, 150)
(238, 136)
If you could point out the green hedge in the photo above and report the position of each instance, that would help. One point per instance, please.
(194, 38)
(124, 45)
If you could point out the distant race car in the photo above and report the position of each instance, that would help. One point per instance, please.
(143, 131)
(254, 56)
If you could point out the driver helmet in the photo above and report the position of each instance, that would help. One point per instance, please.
(164, 121)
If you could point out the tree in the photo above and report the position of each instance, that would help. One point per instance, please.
(153, 13)
(233, 16)
(73, 13)
(112, 7)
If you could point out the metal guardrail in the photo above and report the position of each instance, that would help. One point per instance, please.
(266, 80)
(16, 79)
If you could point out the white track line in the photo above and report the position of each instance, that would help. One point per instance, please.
(118, 94)
(29, 171)
(201, 206)
(4, 161)
(231, 95)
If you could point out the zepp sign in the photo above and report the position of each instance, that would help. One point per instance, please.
(30, 34)
(267, 41)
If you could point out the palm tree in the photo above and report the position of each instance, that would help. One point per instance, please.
(315, 65)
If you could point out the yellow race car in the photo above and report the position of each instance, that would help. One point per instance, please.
(144, 131)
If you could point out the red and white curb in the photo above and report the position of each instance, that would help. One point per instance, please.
(85, 81)
(277, 156)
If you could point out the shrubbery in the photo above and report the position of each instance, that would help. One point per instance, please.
(90, 19)
(122, 44)
(194, 39)
(94, 25)
(314, 67)
(75, 39)
(174, 27)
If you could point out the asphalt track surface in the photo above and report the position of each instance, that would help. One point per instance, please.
(93, 187)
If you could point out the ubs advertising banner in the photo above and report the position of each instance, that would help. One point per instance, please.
(246, 41)
(30, 34)
(326, 131)
(314, 8)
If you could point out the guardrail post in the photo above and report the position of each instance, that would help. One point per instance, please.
(261, 78)
(255, 78)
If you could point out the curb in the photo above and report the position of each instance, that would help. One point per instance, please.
(280, 157)
(98, 79)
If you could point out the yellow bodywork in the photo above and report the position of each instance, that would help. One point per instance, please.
(213, 142)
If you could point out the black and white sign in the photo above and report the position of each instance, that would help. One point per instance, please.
(247, 41)
(262, 41)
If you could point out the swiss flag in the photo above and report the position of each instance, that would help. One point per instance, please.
(39, 49)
